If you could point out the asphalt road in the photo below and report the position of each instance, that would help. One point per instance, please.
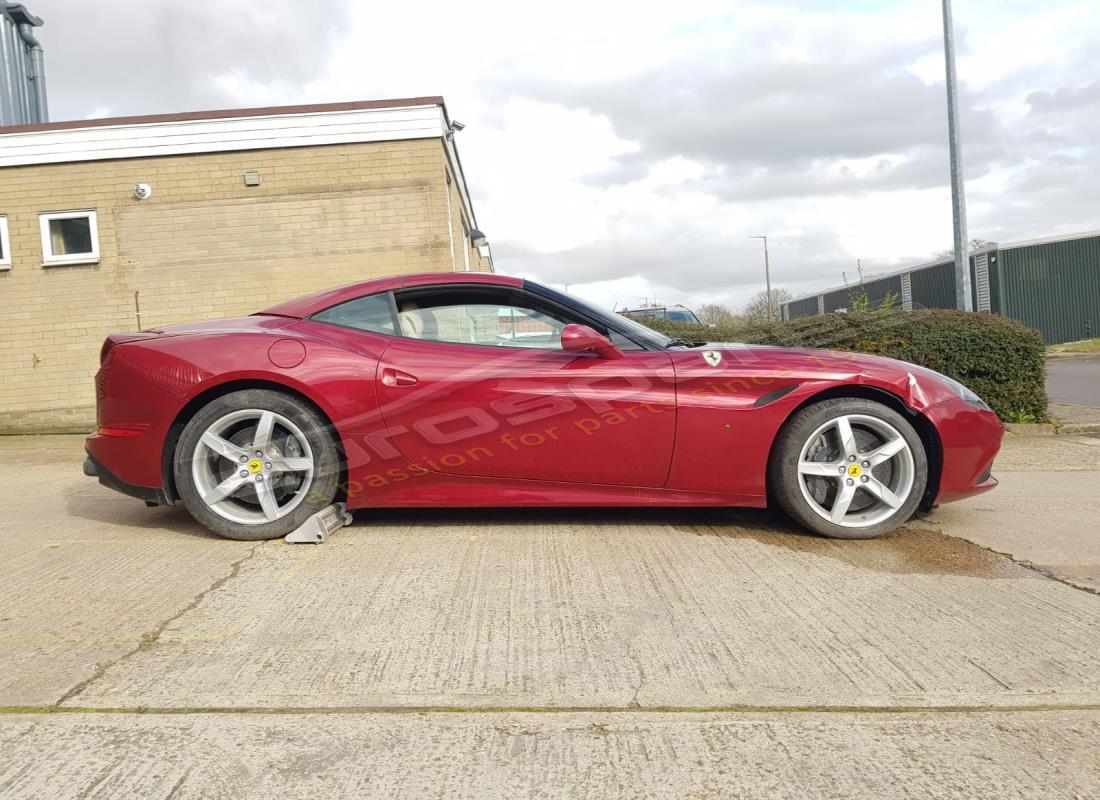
(538, 653)
(1074, 379)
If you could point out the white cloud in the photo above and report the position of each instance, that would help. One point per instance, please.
(629, 149)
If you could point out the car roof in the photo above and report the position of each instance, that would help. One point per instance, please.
(312, 303)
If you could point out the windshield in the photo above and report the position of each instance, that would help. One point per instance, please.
(682, 316)
(634, 330)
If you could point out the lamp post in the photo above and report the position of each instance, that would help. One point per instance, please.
(767, 274)
(958, 191)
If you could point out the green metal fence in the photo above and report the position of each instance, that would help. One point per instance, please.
(1052, 285)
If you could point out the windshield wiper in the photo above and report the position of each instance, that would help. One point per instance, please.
(683, 343)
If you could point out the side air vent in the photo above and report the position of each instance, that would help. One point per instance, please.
(771, 397)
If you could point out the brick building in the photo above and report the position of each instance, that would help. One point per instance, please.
(130, 223)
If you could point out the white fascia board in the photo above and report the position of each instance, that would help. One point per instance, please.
(144, 140)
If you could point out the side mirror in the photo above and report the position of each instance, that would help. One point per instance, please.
(582, 339)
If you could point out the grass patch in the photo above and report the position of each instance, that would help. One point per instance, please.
(1084, 346)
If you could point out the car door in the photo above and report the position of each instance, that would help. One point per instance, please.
(477, 384)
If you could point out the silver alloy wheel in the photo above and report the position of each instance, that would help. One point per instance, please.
(252, 466)
(856, 471)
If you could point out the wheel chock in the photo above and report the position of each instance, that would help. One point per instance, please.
(321, 525)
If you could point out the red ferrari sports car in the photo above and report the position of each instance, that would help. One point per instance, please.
(484, 390)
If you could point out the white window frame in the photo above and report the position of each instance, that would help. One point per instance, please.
(5, 244)
(48, 258)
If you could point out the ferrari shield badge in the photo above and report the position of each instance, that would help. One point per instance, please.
(712, 357)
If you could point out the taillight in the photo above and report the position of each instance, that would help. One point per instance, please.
(121, 432)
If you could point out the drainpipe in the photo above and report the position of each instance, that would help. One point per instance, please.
(38, 71)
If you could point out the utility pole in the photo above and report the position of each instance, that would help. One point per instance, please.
(958, 189)
(767, 275)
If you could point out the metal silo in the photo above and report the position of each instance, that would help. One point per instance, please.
(22, 74)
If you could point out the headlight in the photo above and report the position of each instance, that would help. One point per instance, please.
(969, 396)
(959, 389)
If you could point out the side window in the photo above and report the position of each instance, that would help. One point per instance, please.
(482, 323)
(372, 313)
(491, 317)
(621, 341)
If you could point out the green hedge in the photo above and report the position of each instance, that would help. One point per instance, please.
(999, 359)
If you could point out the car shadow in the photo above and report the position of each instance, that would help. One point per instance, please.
(118, 510)
(734, 521)
(917, 548)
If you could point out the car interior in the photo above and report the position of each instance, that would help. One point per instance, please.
(487, 316)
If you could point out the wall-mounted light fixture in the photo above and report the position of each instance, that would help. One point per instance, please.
(454, 128)
(481, 242)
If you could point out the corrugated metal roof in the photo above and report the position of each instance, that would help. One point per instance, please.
(1067, 237)
(869, 279)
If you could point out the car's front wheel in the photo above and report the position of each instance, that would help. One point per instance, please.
(255, 464)
(849, 468)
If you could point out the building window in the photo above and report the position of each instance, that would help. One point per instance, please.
(5, 245)
(69, 237)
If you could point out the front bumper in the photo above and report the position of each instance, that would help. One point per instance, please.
(970, 439)
(152, 496)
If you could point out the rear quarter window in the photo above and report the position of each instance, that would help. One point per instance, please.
(373, 313)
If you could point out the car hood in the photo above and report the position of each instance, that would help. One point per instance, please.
(919, 386)
(752, 352)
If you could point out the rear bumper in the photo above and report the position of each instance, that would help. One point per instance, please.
(970, 438)
(94, 469)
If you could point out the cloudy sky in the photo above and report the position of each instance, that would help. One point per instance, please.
(628, 149)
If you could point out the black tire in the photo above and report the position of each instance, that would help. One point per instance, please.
(322, 487)
(784, 480)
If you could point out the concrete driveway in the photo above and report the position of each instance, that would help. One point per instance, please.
(551, 654)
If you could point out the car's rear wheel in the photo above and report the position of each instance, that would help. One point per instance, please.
(256, 464)
(849, 468)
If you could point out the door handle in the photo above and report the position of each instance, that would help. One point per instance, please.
(395, 377)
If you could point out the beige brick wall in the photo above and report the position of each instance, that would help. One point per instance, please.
(203, 246)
